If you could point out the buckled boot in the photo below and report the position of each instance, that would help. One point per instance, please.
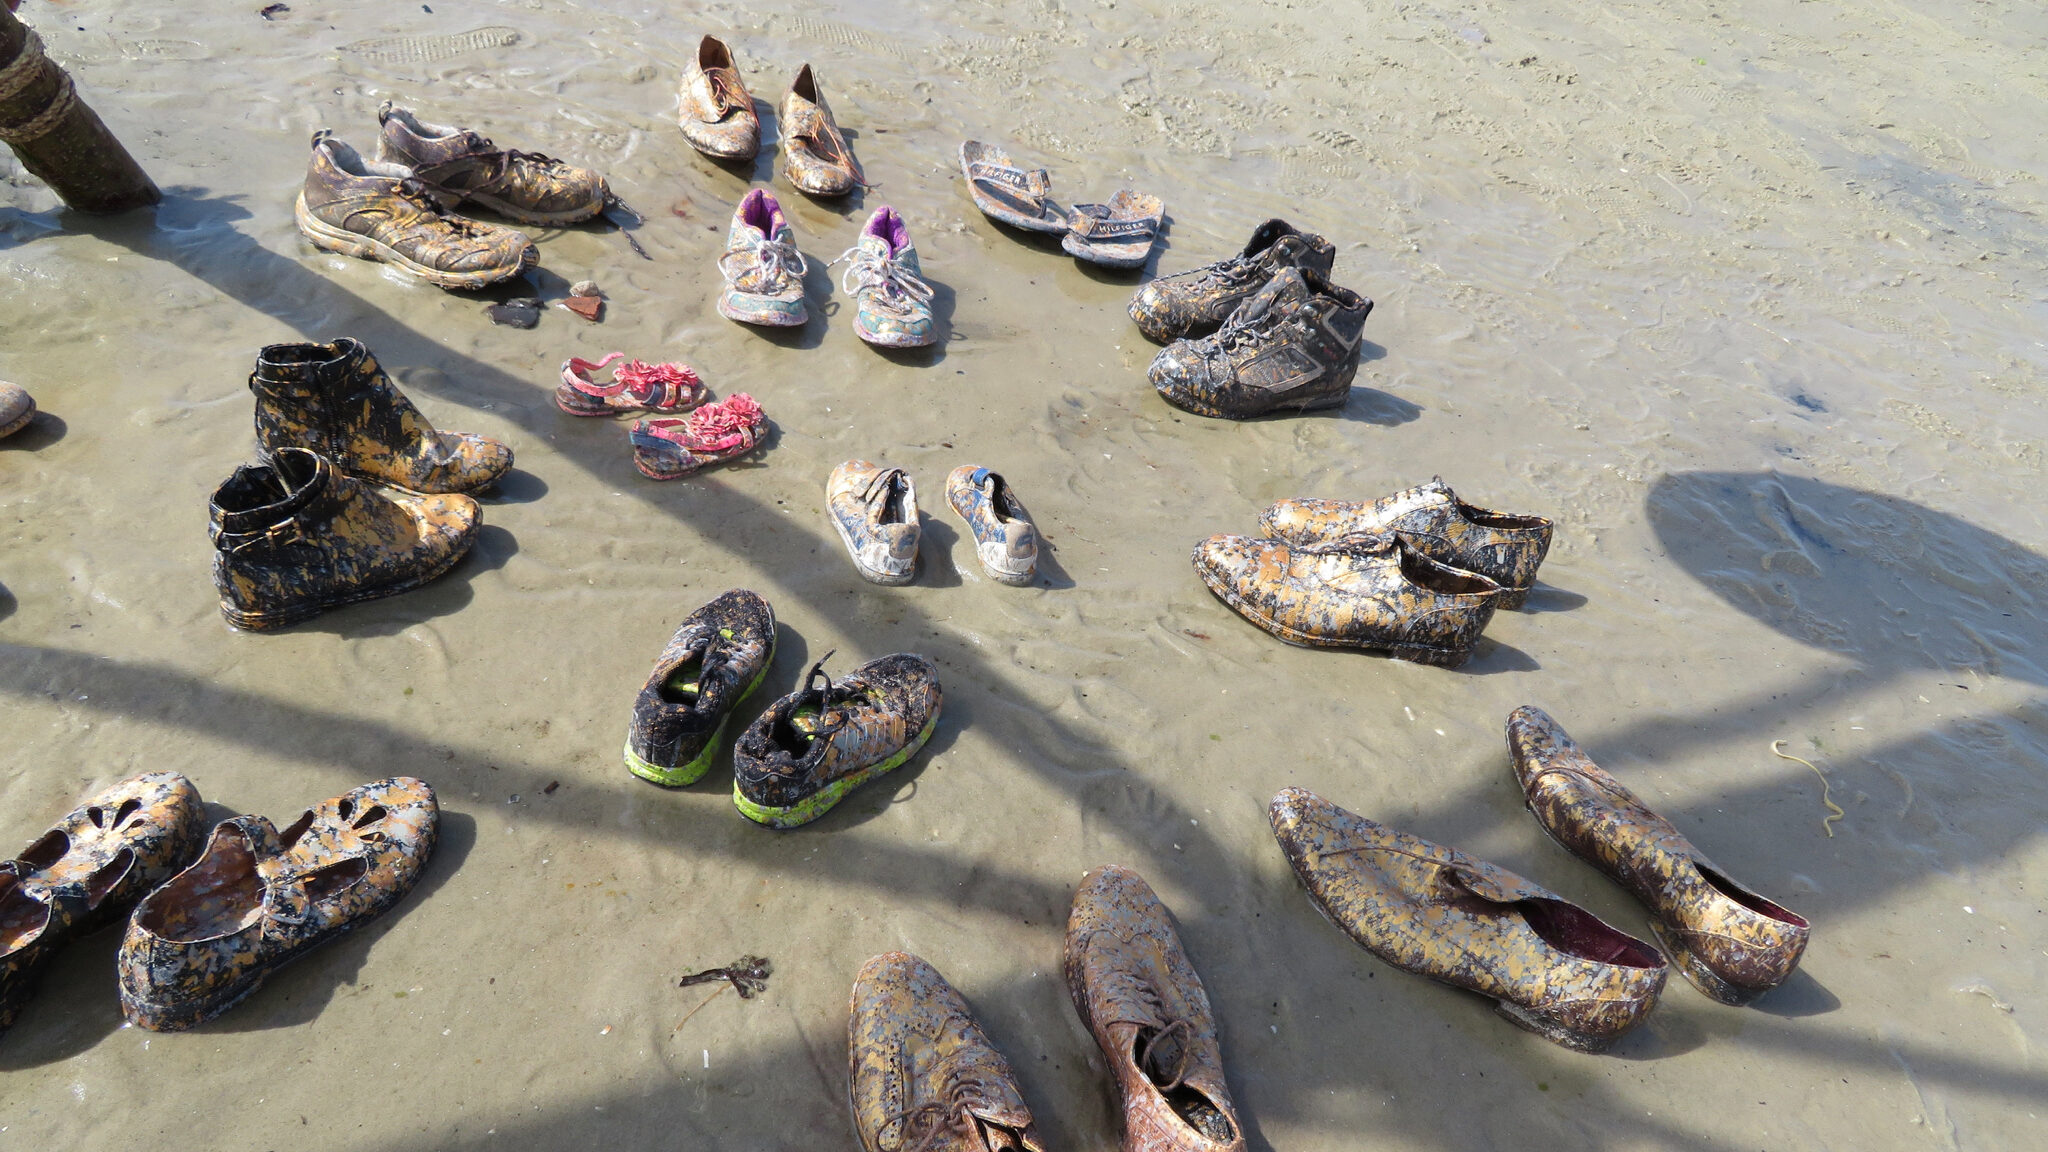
(337, 401)
(1292, 345)
(295, 537)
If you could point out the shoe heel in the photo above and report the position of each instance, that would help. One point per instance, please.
(1698, 974)
(1428, 654)
(1552, 1029)
(1511, 600)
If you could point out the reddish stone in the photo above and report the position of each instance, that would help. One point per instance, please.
(588, 307)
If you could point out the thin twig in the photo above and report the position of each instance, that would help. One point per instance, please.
(715, 994)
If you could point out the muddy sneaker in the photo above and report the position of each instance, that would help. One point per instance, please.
(1197, 303)
(816, 158)
(717, 113)
(874, 509)
(1733, 944)
(377, 211)
(1005, 539)
(1501, 546)
(1548, 965)
(336, 400)
(764, 273)
(1291, 346)
(811, 748)
(1361, 592)
(88, 870)
(667, 448)
(1141, 999)
(259, 899)
(921, 1072)
(17, 408)
(715, 661)
(887, 283)
(464, 168)
(295, 537)
(635, 386)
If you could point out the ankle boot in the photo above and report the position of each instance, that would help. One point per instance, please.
(335, 400)
(296, 537)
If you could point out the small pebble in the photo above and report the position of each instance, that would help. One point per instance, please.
(523, 313)
(584, 288)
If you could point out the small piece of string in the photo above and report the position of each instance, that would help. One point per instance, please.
(884, 275)
(1834, 810)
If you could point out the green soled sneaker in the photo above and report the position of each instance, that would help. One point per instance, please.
(717, 658)
(813, 747)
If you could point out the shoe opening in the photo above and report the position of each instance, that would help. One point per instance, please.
(324, 882)
(794, 733)
(216, 897)
(1426, 574)
(1164, 1056)
(47, 851)
(22, 917)
(1750, 900)
(1488, 518)
(1579, 933)
(682, 685)
(108, 876)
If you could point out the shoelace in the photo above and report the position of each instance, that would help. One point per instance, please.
(726, 91)
(1185, 1031)
(823, 731)
(1240, 332)
(885, 276)
(774, 262)
(422, 197)
(937, 1117)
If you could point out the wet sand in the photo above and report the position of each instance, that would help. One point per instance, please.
(1745, 295)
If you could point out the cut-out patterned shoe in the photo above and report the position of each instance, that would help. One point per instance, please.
(462, 167)
(921, 1074)
(815, 157)
(259, 898)
(88, 870)
(886, 282)
(717, 112)
(17, 408)
(636, 386)
(1141, 999)
(716, 659)
(1501, 546)
(874, 510)
(1373, 592)
(1197, 303)
(1008, 194)
(668, 448)
(1005, 539)
(1549, 965)
(1733, 944)
(811, 748)
(764, 273)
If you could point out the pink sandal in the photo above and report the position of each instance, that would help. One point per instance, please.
(636, 387)
(667, 448)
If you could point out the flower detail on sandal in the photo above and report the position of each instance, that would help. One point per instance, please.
(636, 386)
(666, 448)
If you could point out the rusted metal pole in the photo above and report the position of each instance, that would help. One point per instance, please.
(57, 138)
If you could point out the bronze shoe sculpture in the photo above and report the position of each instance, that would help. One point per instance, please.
(1733, 944)
(1290, 347)
(1502, 546)
(17, 408)
(295, 536)
(336, 400)
(921, 1073)
(815, 156)
(1375, 592)
(377, 211)
(1144, 1004)
(717, 112)
(1549, 965)
(462, 167)
(1197, 303)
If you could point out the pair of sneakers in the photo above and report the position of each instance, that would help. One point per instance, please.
(874, 510)
(398, 208)
(803, 755)
(764, 275)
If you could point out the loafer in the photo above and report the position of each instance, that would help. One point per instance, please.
(874, 510)
(1548, 965)
(17, 408)
(1374, 592)
(813, 747)
(1005, 539)
(717, 112)
(716, 659)
(1733, 944)
(763, 271)
(815, 157)
(1145, 1006)
(1504, 547)
(462, 167)
(258, 899)
(920, 1071)
(1197, 302)
(88, 870)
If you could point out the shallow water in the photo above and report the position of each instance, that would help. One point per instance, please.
(1746, 296)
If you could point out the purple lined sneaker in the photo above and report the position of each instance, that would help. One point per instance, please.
(764, 273)
(887, 282)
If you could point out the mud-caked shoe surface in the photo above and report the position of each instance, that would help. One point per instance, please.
(1549, 965)
(810, 748)
(258, 898)
(1505, 547)
(1730, 942)
(17, 408)
(669, 447)
(815, 157)
(378, 211)
(763, 271)
(635, 386)
(295, 537)
(1140, 998)
(88, 870)
(921, 1074)
(463, 168)
(1008, 194)
(1197, 303)
(874, 510)
(716, 110)
(1005, 539)
(337, 401)
(1373, 592)
(1119, 234)
(886, 281)
(1289, 347)
(716, 659)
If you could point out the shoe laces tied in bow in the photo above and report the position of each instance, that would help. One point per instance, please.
(933, 1119)
(891, 284)
(771, 264)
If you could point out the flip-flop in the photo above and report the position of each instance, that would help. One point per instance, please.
(1008, 194)
(1118, 234)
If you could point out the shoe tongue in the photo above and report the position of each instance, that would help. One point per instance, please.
(1285, 287)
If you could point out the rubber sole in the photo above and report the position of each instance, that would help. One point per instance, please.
(1430, 654)
(327, 237)
(780, 321)
(19, 422)
(249, 621)
(694, 771)
(877, 340)
(825, 799)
